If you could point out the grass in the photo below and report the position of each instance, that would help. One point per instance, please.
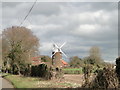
(31, 82)
(21, 82)
(78, 70)
(72, 71)
(3, 74)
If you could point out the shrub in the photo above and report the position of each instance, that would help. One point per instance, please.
(105, 78)
(118, 67)
(41, 71)
(87, 70)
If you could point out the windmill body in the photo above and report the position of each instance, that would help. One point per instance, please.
(57, 55)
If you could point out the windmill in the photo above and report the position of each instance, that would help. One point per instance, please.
(57, 55)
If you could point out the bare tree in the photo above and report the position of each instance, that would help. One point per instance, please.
(75, 61)
(95, 55)
(19, 45)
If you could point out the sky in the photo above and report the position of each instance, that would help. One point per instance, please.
(81, 25)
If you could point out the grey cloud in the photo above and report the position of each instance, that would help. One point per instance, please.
(95, 6)
(43, 8)
(10, 4)
(61, 22)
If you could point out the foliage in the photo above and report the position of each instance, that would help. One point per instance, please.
(118, 68)
(105, 78)
(19, 45)
(87, 70)
(88, 60)
(95, 55)
(76, 62)
(46, 59)
(94, 58)
(41, 71)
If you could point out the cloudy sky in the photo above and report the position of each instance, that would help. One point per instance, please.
(80, 24)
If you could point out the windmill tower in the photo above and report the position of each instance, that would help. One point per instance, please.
(57, 55)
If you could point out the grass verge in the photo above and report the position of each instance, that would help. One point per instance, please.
(22, 82)
(31, 82)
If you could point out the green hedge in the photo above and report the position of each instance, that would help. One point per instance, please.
(41, 71)
(72, 71)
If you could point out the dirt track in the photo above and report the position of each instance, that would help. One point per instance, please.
(79, 79)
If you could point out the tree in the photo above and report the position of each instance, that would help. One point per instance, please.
(95, 55)
(46, 59)
(19, 45)
(76, 62)
(88, 60)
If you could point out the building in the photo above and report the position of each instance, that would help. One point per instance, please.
(57, 61)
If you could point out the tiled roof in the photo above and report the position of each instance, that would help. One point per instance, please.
(65, 63)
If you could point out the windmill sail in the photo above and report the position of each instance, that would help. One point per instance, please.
(57, 54)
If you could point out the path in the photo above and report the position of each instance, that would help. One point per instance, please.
(5, 84)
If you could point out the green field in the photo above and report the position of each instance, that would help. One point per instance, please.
(77, 70)
(72, 71)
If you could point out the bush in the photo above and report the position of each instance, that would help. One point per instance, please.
(87, 70)
(41, 71)
(118, 67)
(105, 78)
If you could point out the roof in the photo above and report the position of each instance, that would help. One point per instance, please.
(65, 63)
(36, 60)
(33, 58)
